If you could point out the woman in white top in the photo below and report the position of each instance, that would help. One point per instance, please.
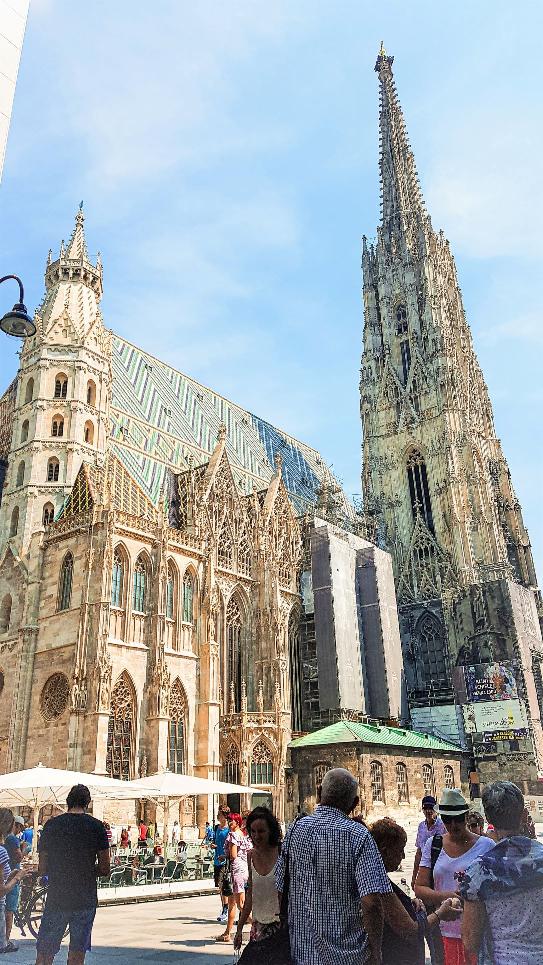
(261, 898)
(460, 847)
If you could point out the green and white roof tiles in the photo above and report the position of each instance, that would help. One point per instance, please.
(163, 419)
(354, 732)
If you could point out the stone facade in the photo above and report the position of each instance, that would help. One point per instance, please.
(392, 779)
(437, 488)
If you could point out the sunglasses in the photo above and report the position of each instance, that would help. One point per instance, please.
(450, 818)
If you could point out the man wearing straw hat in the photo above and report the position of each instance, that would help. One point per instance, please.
(74, 851)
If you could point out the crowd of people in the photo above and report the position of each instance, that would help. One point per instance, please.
(323, 895)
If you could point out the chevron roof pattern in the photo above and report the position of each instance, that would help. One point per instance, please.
(163, 419)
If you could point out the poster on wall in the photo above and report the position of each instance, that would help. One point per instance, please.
(492, 681)
(496, 715)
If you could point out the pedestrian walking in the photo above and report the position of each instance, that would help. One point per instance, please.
(9, 879)
(261, 898)
(444, 859)
(12, 844)
(220, 835)
(74, 851)
(431, 825)
(236, 847)
(337, 883)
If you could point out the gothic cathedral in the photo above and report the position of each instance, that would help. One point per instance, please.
(437, 488)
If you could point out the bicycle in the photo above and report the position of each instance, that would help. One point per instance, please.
(31, 905)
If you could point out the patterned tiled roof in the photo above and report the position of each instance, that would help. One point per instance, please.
(353, 732)
(162, 418)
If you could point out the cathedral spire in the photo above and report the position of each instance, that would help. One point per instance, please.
(402, 205)
(77, 246)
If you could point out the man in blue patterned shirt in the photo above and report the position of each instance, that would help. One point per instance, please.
(337, 881)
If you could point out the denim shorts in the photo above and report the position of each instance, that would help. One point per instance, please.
(53, 925)
(12, 898)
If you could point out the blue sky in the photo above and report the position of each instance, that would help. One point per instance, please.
(227, 157)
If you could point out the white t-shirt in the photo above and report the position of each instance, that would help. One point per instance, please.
(445, 870)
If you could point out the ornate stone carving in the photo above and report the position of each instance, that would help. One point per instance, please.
(54, 696)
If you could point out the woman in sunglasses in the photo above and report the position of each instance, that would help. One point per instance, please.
(443, 862)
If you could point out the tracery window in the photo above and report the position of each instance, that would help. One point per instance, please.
(188, 598)
(29, 394)
(24, 430)
(418, 488)
(402, 783)
(65, 583)
(121, 728)
(428, 782)
(230, 765)
(57, 426)
(431, 650)
(244, 557)
(139, 597)
(54, 696)
(234, 632)
(117, 580)
(448, 776)
(48, 514)
(5, 613)
(401, 320)
(21, 474)
(177, 730)
(169, 603)
(53, 470)
(261, 764)
(295, 668)
(14, 524)
(377, 783)
(61, 386)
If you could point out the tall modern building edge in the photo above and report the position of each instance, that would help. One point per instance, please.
(437, 488)
(13, 18)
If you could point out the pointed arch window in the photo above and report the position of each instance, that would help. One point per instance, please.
(48, 514)
(117, 580)
(402, 783)
(188, 598)
(430, 635)
(61, 386)
(244, 556)
(230, 765)
(377, 783)
(53, 470)
(91, 392)
(448, 776)
(405, 356)
(29, 394)
(5, 613)
(65, 583)
(401, 319)
(234, 634)
(57, 426)
(139, 596)
(419, 491)
(21, 474)
(24, 430)
(296, 675)
(428, 781)
(261, 764)
(121, 728)
(14, 524)
(169, 601)
(177, 729)
(89, 432)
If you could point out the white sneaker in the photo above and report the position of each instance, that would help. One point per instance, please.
(223, 918)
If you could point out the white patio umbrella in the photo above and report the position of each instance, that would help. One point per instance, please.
(166, 784)
(40, 785)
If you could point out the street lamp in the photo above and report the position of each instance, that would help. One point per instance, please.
(17, 322)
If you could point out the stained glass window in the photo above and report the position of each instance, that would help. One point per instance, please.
(139, 598)
(120, 731)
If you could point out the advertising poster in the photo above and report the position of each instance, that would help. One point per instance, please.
(492, 681)
(496, 715)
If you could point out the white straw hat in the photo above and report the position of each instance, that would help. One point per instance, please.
(452, 803)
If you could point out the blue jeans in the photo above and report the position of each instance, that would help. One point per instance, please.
(53, 925)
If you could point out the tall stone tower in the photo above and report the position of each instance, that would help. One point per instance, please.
(437, 488)
(61, 396)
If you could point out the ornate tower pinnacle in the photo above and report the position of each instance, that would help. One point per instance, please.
(402, 206)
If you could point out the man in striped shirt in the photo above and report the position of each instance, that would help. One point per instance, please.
(337, 882)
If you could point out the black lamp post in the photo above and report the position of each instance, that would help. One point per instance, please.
(17, 322)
